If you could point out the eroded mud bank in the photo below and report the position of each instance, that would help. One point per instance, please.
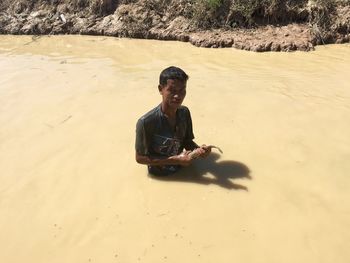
(174, 21)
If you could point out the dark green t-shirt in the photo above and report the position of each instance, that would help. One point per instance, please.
(155, 136)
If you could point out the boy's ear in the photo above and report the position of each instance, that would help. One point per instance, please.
(160, 87)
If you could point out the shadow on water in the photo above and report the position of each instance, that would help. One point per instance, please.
(211, 171)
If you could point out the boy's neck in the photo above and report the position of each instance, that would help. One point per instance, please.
(168, 111)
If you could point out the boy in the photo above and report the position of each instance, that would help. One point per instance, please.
(163, 133)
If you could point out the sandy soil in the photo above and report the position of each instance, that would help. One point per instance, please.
(71, 191)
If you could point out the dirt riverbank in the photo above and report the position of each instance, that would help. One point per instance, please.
(297, 29)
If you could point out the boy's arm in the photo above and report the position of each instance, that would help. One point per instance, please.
(203, 151)
(181, 159)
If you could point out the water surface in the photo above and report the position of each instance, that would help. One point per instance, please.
(70, 190)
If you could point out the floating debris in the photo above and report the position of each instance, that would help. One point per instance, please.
(66, 119)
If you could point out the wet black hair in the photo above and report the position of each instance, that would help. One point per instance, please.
(172, 73)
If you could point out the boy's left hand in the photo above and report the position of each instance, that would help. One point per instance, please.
(206, 150)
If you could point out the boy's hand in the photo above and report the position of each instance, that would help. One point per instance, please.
(183, 158)
(204, 151)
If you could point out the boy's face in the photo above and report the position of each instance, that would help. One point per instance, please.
(173, 93)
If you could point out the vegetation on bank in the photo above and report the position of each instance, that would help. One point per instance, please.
(207, 13)
(249, 13)
(321, 15)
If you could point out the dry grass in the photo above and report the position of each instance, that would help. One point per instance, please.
(99, 7)
(320, 17)
(243, 13)
(207, 13)
(248, 13)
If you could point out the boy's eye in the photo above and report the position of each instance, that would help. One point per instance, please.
(181, 91)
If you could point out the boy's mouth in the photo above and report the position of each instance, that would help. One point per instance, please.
(176, 101)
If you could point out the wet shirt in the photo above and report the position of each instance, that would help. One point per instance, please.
(155, 136)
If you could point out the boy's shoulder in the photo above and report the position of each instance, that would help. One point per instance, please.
(183, 108)
(183, 113)
(152, 114)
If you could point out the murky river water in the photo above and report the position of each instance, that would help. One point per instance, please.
(70, 190)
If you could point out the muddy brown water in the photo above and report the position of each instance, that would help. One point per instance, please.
(70, 190)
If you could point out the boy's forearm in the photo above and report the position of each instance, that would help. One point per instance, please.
(155, 160)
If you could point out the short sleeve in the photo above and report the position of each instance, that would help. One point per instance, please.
(141, 143)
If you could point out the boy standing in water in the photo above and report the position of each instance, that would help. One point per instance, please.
(164, 136)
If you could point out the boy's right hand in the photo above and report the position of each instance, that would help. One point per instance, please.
(184, 158)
